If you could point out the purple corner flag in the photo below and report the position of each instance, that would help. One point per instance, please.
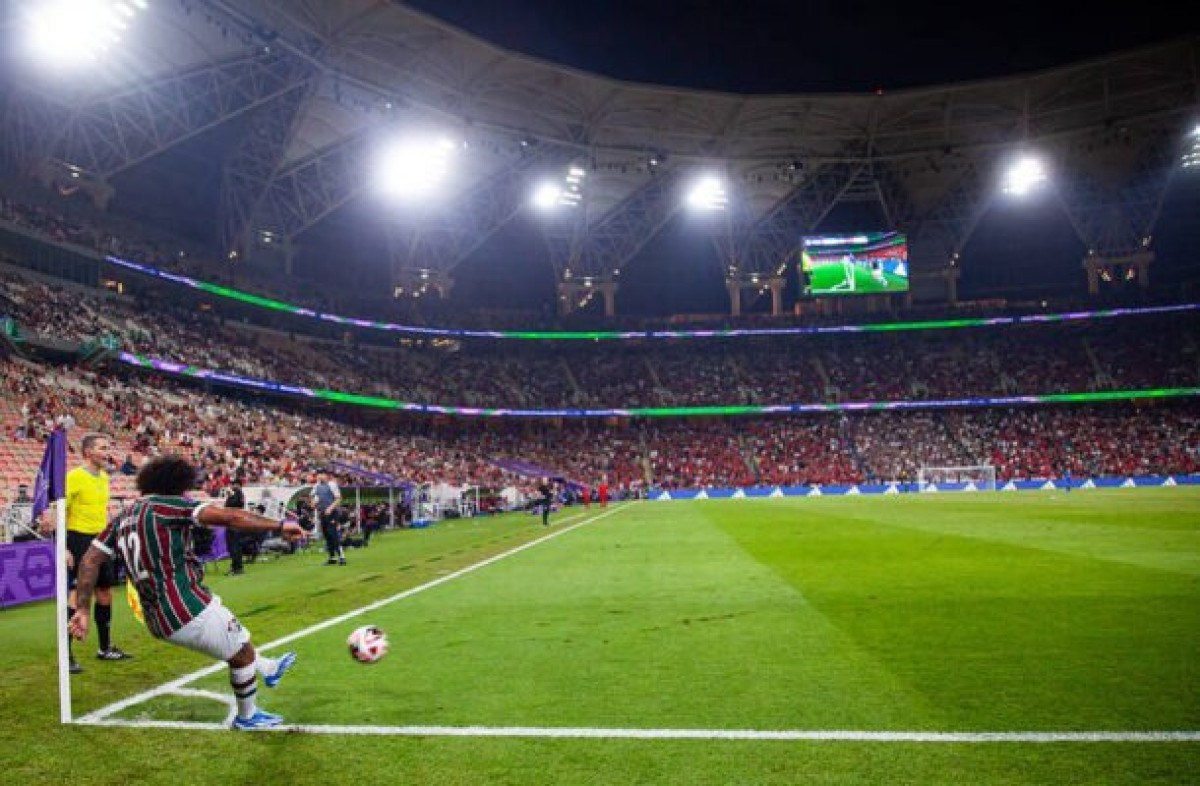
(51, 482)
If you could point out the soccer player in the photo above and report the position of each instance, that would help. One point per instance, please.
(154, 538)
(326, 497)
(603, 491)
(877, 273)
(87, 514)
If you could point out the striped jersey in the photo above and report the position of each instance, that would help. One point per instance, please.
(153, 536)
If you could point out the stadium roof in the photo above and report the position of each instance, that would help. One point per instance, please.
(319, 85)
(441, 73)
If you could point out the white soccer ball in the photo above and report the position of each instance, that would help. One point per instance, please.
(367, 644)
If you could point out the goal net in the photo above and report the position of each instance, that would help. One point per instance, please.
(981, 477)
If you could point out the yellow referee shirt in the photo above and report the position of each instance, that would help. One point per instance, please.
(87, 501)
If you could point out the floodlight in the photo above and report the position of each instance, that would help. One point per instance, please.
(1191, 155)
(571, 196)
(546, 195)
(708, 193)
(550, 194)
(1025, 175)
(73, 32)
(414, 168)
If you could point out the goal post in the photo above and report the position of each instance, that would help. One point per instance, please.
(980, 476)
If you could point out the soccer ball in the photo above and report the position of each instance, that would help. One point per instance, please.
(367, 644)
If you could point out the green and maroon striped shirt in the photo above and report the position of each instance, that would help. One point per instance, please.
(154, 538)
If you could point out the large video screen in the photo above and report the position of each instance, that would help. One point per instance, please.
(866, 263)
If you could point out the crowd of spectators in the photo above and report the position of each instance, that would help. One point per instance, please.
(1119, 353)
(279, 443)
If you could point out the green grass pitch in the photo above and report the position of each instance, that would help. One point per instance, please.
(985, 612)
(830, 279)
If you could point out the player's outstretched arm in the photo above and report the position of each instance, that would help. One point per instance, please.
(235, 518)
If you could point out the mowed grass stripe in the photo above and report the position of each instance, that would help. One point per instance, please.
(651, 619)
(996, 635)
(1149, 528)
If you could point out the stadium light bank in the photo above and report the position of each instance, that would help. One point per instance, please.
(413, 168)
(1024, 176)
(1191, 154)
(549, 194)
(73, 33)
(708, 193)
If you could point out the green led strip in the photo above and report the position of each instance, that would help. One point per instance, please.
(735, 410)
(245, 297)
(609, 335)
(379, 402)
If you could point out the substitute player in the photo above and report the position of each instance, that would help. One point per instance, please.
(154, 537)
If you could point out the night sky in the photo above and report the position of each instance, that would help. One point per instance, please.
(765, 46)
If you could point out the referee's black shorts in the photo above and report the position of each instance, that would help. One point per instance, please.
(77, 544)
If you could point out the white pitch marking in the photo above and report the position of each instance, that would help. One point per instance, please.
(174, 685)
(831, 735)
(224, 698)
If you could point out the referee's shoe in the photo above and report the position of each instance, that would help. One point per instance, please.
(113, 653)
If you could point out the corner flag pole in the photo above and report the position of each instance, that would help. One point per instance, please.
(50, 488)
(60, 613)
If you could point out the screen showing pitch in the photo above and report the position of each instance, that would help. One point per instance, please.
(866, 263)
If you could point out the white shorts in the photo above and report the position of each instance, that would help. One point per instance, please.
(214, 631)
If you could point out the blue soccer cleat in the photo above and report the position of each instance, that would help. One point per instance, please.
(261, 719)
(285, 663)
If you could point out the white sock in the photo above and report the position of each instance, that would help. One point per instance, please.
(265, 666)
(244, 682)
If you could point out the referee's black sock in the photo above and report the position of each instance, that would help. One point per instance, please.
(70, 639)
(103, 616)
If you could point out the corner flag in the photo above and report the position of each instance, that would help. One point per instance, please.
(135, 601)
(51, 481)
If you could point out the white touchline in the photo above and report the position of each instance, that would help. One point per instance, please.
(174, 685)
(819, 735)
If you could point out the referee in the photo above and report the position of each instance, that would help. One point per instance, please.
(87, 516)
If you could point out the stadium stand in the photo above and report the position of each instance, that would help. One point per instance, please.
(272, 442)
(1034, 359)
(230, 434)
